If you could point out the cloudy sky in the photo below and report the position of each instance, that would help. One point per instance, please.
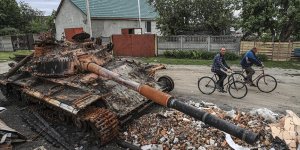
(44, 5)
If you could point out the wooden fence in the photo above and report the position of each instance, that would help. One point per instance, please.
(277, 51)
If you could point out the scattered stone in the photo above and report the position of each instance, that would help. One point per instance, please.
(267, 114)
(231, 114)
(176, 130)
(175, 141)
(152, 147)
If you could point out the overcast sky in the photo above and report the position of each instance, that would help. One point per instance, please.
(44, 5)
(48, 5)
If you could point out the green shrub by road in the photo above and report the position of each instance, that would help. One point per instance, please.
(176, 61)
(197, 54)
(4, 56)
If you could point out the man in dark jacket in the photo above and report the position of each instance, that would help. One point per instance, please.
(218, 64)
(247, 61)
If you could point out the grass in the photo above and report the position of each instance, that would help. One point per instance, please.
(175, 61)
(4, 56)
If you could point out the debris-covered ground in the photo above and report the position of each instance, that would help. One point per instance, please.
(169, 129)
(164, 128)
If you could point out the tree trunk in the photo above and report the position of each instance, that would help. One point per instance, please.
(286, 32)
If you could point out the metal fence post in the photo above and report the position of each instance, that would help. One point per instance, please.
(208, 43)
(181, 41)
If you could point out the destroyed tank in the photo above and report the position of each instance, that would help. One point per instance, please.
(82, 82)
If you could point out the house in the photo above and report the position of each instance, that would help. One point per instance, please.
(107, 17)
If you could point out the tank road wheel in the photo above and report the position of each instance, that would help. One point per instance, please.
(167, 83)
(104, 123)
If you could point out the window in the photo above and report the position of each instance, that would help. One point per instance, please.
(148, 26)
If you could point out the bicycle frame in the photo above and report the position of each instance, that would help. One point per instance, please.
(215, 77)
(231, 84)
(261, 74)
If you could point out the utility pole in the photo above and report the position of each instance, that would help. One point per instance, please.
(139, 7)
(88, 16)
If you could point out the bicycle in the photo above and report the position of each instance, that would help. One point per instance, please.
(264, 82)
(237, 89)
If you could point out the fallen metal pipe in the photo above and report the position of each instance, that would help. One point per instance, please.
(168, 101)
(212, 120)
(13, 70)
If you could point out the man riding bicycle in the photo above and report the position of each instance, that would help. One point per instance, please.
(218, 64)
(247, 61)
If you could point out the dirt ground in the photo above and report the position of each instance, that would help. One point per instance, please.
(285, 97)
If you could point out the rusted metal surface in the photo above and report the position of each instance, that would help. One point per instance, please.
(55, 79)
(154, 68)
(104, 123)
(134, 45)
(70, 32)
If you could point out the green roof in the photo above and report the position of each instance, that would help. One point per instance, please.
(117, 8)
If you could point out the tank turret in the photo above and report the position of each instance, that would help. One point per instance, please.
(80, 80)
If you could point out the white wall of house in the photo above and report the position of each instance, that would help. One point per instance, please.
(107, 28)
(69, 16)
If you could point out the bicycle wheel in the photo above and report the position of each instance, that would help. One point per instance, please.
(238, 89)
(266, 83)
(236, 77)
(206, 85)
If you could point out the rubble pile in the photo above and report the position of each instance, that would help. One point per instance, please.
(288, 128)
(171, 129)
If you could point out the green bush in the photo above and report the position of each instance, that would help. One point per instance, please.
(9, 31)
(198, 55)
(262, 57)
(231, 56)
(208, 55)
(168, 54)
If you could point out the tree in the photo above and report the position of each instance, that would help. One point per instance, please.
(20, 18)
(33, 20)
(9, 14)
(280, 18)
(50, 22)
(194, 16)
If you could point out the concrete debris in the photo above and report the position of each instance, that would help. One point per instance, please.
(231, 114)
(288, 129)
(232, 144)
(175, 130)
(267, 114)
(152, 147)
(79, 148)
(40, 148)
(2, 109)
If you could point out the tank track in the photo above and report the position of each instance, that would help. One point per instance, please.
(101, 121)
(104, 123)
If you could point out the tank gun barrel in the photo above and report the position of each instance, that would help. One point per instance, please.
(171, 102)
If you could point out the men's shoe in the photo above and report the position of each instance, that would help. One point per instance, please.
(222, 91)
(252, 84)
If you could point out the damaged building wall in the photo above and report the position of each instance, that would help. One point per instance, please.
(69, 16)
